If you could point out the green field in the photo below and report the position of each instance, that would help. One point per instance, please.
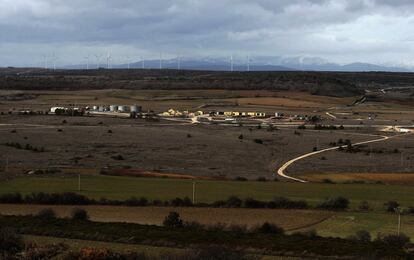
(112, 187)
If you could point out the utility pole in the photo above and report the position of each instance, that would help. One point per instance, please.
(194, 184)
(398, 211)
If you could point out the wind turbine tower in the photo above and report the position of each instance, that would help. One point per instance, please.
(143, 62)
(160, 61)
(231, 63)
(87, 60)
(54, 59)
(46, 61)
(108, 60)
(98, 60)
(248, 63)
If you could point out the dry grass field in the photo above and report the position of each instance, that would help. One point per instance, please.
(200, 150)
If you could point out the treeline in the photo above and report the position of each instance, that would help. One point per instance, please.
(70, 198)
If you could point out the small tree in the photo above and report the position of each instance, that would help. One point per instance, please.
(10, 242)
(391, 205)
(268, 228)
(79, 214)
(241, 136)
(173, 220)
(363, 236)
(47, 213)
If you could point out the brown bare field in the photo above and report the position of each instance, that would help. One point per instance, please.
(390, 178)
(288, 219)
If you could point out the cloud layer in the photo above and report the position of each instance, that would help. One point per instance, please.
(342, 31)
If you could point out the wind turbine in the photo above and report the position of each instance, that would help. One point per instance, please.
(87, 60)
(54, 59)
(45, 56)
(248, 63)
(98, 59)
(179, 62)
(128, 59)
(108, 60)
(160, 61)
(231, 63)
(143, 62)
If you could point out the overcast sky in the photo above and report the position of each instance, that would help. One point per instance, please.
(377, 31)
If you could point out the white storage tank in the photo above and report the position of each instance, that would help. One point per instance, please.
(122, 108)
(135, 108)
(95, 108)
(113, 108)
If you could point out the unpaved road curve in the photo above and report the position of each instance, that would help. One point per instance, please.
(281, 170)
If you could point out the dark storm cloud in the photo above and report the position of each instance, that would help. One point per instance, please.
(331, 28)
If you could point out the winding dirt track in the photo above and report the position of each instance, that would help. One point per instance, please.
(281, 170)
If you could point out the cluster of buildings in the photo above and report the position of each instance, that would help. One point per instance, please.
(176, 113)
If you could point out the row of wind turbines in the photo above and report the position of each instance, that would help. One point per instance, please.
(52, 59)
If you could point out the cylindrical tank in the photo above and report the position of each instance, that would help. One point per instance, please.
(122, 108)
(95, 108)
(113, 108)
(135, 108)
(101, 109)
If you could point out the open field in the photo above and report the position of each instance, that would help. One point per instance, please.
(288, 219)
(199, 150)
(122, 188)
(326, 223)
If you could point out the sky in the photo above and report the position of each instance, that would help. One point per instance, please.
(375, 31)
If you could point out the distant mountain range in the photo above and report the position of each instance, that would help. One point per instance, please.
(257, 63)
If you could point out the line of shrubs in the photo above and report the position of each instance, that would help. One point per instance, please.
(71, 198)
(26, 147)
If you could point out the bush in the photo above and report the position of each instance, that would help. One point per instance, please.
(337, 203)
(238, 230)
(399, 241)
(11, 198)
(285, 203)
(133, 201)
(239, 178)
(241, 137)
(391, 205)
(258, 141)
(234, 202)
(263, 179)
(254, 204)
(173, 220)
(47, 213)
(363, 236)
(79, 214)
(268, 228)
(10, 242)
(178, 202)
